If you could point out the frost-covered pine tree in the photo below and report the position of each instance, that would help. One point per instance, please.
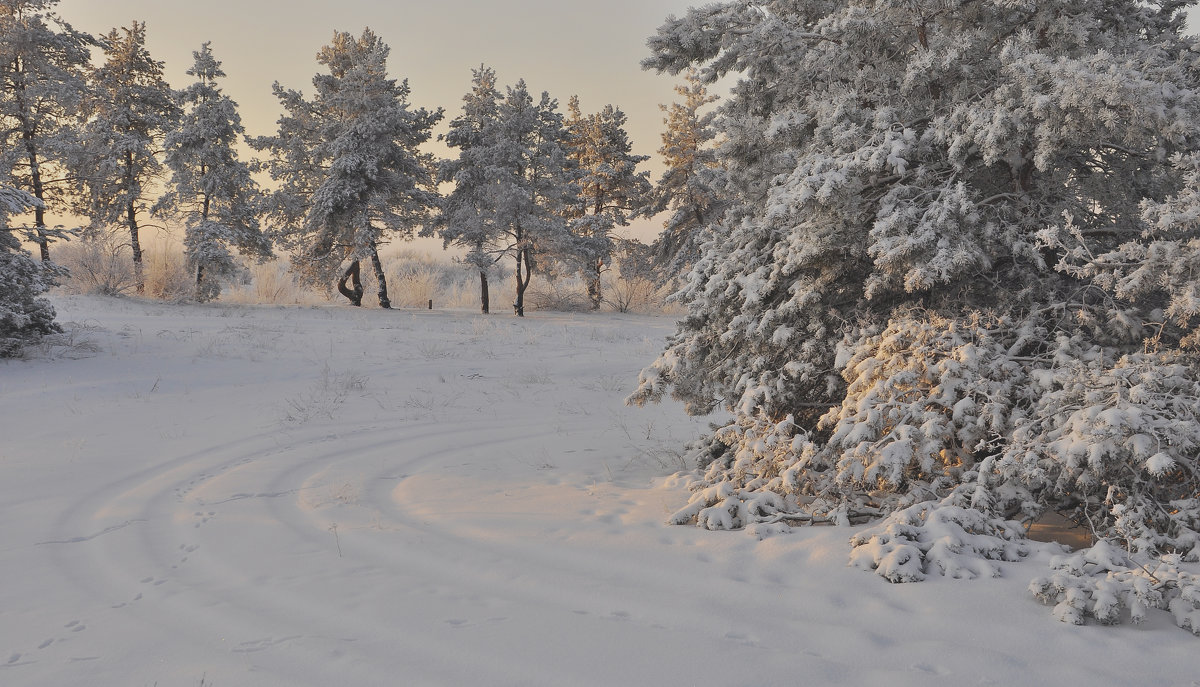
(685, 189)
(42, 81)
(954, 282)
(534, 185)
(512, 181)
(610, 189)
(347, 163)
(129, 111)
(210, 189)
(24, 317)
(466, 218)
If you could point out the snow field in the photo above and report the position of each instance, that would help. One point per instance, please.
(319, 496)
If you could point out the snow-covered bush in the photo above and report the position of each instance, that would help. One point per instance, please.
(951, 536)
(24, 317)
(1105, 583)
(955, 284)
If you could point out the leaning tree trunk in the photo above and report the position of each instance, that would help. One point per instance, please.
(381, 279)
(484, 302)
(355, 294)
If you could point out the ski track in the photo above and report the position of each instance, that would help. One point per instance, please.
(466, 513)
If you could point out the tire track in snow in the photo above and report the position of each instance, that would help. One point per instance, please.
(231, 604)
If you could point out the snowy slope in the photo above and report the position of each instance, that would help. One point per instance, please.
(330, 496)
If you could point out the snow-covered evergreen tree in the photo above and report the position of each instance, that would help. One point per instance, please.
(685, 189)
(24, 317)
(534, 188)
(210, 188)
(610, 189)
(43, 61)
(466, 219)
(512, 181)
(347, 162)
(954, 271)
(129, 112)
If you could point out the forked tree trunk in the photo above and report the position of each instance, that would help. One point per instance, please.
(381, 279)
(354, 295)
(483, 292)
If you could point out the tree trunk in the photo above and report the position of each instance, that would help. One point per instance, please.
(483, 292)
(139, 275)
(522, 281)
(199, 282)
(593, 285)
(39, 192)
(35, 177)
(381, 279)
(353, 295)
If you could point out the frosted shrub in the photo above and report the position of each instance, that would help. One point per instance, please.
(167, 275)
(563, 294)
(632, 293)
(272, 282)
(415, 285)
(99, 263)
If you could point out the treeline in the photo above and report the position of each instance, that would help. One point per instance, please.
(532, 190)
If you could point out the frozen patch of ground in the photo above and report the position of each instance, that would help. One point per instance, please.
(330, 496)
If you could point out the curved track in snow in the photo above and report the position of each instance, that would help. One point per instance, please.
(327, 497)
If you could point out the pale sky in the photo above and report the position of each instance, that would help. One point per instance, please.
(565, 47)
(562, 46)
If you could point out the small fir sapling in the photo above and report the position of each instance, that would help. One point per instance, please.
(210, 188)
(24, 316)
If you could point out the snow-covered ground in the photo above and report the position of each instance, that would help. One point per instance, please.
(247, 495)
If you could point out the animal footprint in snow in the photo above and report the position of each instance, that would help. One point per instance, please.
(186, 550)
(123, 604)
(262, 644)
